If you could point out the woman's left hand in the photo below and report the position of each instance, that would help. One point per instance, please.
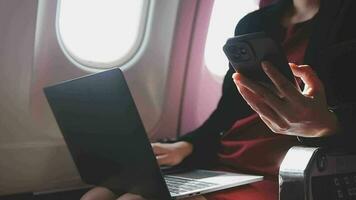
(298, 113)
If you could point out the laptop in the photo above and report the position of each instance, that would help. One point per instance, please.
(109, 145)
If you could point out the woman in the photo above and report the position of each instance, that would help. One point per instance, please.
(320, 41)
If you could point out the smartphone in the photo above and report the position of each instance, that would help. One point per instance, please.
(246, 52)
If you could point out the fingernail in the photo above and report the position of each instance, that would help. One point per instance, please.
(236, 76)
(293, 65)
(264, 65)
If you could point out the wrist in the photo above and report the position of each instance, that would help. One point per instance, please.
(332, 125)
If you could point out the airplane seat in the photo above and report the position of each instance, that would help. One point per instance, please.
(313, 173)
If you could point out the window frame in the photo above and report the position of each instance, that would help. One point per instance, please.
(123, 60)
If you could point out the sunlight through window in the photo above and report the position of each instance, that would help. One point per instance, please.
(101, 33)
(225, 15)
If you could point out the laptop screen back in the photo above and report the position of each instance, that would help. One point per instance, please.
(104, 133)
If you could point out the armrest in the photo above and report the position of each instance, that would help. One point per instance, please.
(313, 173)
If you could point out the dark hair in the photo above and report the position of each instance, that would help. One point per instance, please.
(264, 3)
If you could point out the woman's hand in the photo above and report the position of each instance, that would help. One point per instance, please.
(130, 196)
(173, 153)
(296, 113)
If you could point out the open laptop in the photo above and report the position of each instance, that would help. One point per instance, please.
(107, 140)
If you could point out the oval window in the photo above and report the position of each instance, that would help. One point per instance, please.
(101, 33)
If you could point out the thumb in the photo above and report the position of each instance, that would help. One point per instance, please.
(311, 80)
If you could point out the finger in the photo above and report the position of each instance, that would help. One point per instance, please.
(235, 76)
(274, 127)
(130, 196)
(261, 92)
(283, 85)
(158, 148)
(276, 104)
(309, 77)
(261, 108)
(306, 73)
(163, 159)
(269, 124)
(99, 192)
(269, 114)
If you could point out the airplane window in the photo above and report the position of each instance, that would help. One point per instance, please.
(225, 15)
(101, 33)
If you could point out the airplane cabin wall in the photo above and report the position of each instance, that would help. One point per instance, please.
(172, 87)
(33, 153)
(30, 159)
(202, 88)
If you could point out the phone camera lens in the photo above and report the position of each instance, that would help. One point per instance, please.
(237, 56)
(243, 51)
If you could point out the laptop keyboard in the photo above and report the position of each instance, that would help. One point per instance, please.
(179, 185)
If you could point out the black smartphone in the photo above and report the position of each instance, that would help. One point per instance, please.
(245, 53)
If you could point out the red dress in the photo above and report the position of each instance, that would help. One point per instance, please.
(251, 147)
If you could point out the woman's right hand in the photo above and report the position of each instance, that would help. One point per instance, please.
(171, 153)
